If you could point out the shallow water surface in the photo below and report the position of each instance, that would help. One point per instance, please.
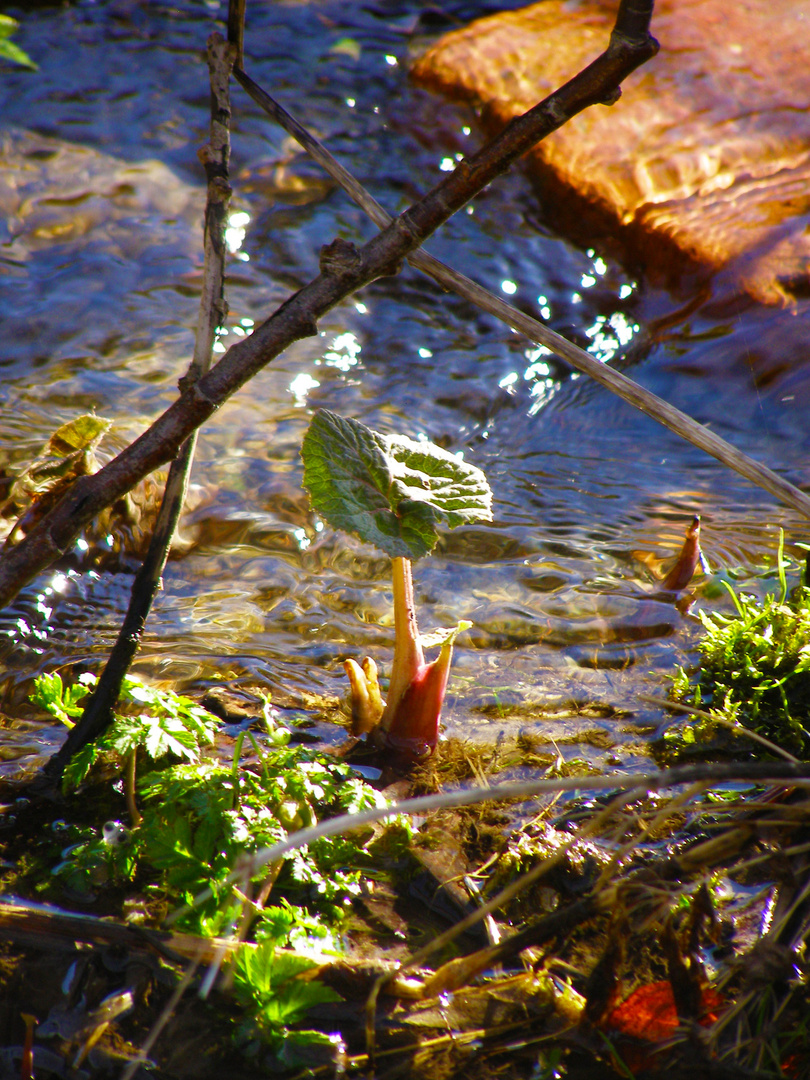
(99, 273)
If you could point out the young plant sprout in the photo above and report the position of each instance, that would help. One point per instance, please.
(687, 562)
(393, 492)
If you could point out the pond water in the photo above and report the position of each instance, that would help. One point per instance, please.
(99, 276)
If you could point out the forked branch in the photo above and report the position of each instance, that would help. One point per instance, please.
(344, 269)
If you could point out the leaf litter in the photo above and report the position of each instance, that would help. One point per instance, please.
(598, 935)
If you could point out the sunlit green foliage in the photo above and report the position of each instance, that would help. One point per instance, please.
(388, 489)
(10, 51)
(758, 665)
(268, 984)
(202, 818)
(62, 702)
(755, 670)
(158, 722)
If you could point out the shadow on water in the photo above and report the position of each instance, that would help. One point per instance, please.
(99, 272)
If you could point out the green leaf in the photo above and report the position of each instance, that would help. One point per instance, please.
(388, 489)
(347, 46)
(8, 50)
(60, 701)
(267, 980)
(79, 766)
(82, 433)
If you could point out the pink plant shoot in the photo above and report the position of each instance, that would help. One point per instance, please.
(409, 723)
(687, 562)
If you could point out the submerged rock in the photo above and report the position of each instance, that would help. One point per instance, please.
(705, 161)
(52, 191)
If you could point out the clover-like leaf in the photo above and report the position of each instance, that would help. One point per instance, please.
(388, 489)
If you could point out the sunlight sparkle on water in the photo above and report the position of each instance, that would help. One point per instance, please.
(390, 60)
(537, 366)
(343, 353)
(59, 581)
(425, 353)
(360, 307)
(609, 334)
(350, 101)
(235, 232)
(626, 290)
(543, 384)
(447, 164)
(300, 387)
(587, 280)
(509, 287)
(58, 584)
(624, 330)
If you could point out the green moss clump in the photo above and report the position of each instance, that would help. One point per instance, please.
(755, 668)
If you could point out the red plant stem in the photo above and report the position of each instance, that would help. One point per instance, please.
(408, 655)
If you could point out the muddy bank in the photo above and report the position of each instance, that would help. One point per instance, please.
(705, 163)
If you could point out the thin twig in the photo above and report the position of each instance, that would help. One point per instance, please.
(648, 403)
(98, 712)
(344, 269)
(236, 29)
(735, 726)
(766, 773)
(165, 1016)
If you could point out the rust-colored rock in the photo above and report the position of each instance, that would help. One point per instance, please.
(705, 160)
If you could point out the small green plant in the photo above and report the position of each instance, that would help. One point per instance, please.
(159, 723)
(393, 492)
(755, 667)
(273, 988)
(200, 821)
(200, 818)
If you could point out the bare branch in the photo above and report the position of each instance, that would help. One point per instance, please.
(344, 269)
(236, 29)
(613, 380)
(98, 711)
(766, 773)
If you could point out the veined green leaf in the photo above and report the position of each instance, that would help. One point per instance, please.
(388, 489)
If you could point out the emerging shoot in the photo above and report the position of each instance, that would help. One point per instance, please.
(393, 492)
(687, 562)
